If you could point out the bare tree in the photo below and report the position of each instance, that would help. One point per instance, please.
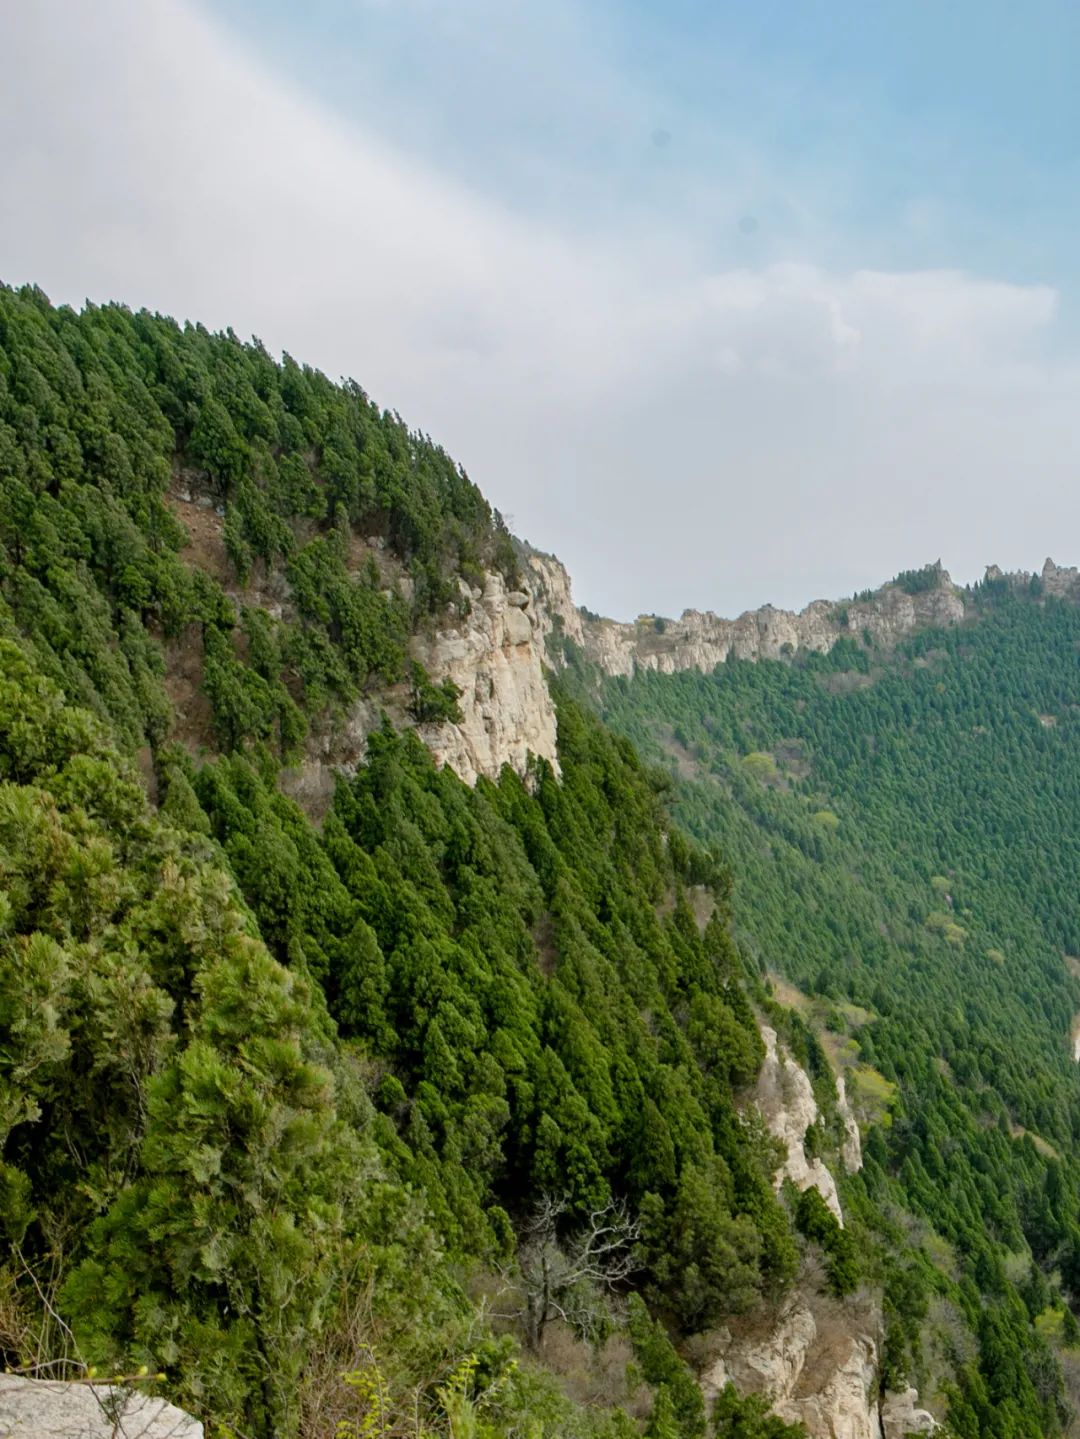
(568, 1275)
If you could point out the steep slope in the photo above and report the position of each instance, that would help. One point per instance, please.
(423, 1083)
(902, 824)
(362, 1011)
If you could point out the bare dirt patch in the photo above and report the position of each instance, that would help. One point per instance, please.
(193, 717)
(686, 766)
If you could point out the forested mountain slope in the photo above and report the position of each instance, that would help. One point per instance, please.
(904, 828)
(350, 1097)
(325, 1121)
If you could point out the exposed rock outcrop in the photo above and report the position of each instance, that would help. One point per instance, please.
(553, 602)
(702, 640)
(786, 1100)
(817, 1364)
(495, 656)
(901, 1415)
(1059, 581)
(851, 1149)
(498, 654)
(52, 1409)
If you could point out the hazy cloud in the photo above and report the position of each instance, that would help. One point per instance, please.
(678, 436)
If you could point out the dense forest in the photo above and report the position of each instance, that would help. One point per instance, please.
(329, 1124)
(425, 1110)
(903, 832)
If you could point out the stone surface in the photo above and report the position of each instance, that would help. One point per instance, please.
(1059, 581)
(785, 1097)
(51, 1409)
(901, 1415)
(816, 1361)
(817, 1364)
(702, 640)
(851, 1149)
(498, 654)
(495, 656)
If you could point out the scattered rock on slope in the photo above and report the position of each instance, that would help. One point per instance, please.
(54, 1409)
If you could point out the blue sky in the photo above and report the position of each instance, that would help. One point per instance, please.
(724, 304)
(894, 135)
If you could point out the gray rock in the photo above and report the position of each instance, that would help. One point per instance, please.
(54, 1409)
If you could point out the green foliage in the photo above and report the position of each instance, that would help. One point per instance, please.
(247, 1065)
(112, 423)
(269, 1092)
(818, 1223)
(916, 582)
(749, 1418)
(661, 1366)
(941, 904)
(430, 703)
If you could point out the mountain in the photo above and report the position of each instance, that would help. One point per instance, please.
(902, 823)
(418, 1012)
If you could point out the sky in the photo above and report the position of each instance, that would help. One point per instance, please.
(723, 304)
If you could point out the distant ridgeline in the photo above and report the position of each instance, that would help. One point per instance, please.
(426, 1108)
(903, 825)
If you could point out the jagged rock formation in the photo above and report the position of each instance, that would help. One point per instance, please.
(786, 1100)
(702, 640)
(901, 1415)
(495, 656)
(817, 1362)
(498, 662)
(1060, 582)
(851, 1149)
(550, 584)
(53, 1409)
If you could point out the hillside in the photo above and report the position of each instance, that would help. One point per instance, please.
(392, 1110)
(901, 823)
(378, 1055)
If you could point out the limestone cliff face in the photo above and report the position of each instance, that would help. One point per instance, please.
(495, 656)
(816, 1360)
(1059, 581)
(851, 1149)
(702, 640)
(816, 1363)
(786, 1100)
(554, 606)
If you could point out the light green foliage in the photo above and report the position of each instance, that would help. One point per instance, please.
(762, 766)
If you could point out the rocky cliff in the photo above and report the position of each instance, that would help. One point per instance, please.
(785, 1097)
(815, 1358)
(817, 1361)
(498, 654)
(702, 640)
(495, 656)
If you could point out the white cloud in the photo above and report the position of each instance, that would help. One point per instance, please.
(680, 437)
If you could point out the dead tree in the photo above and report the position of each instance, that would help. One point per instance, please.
(569, 1275)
